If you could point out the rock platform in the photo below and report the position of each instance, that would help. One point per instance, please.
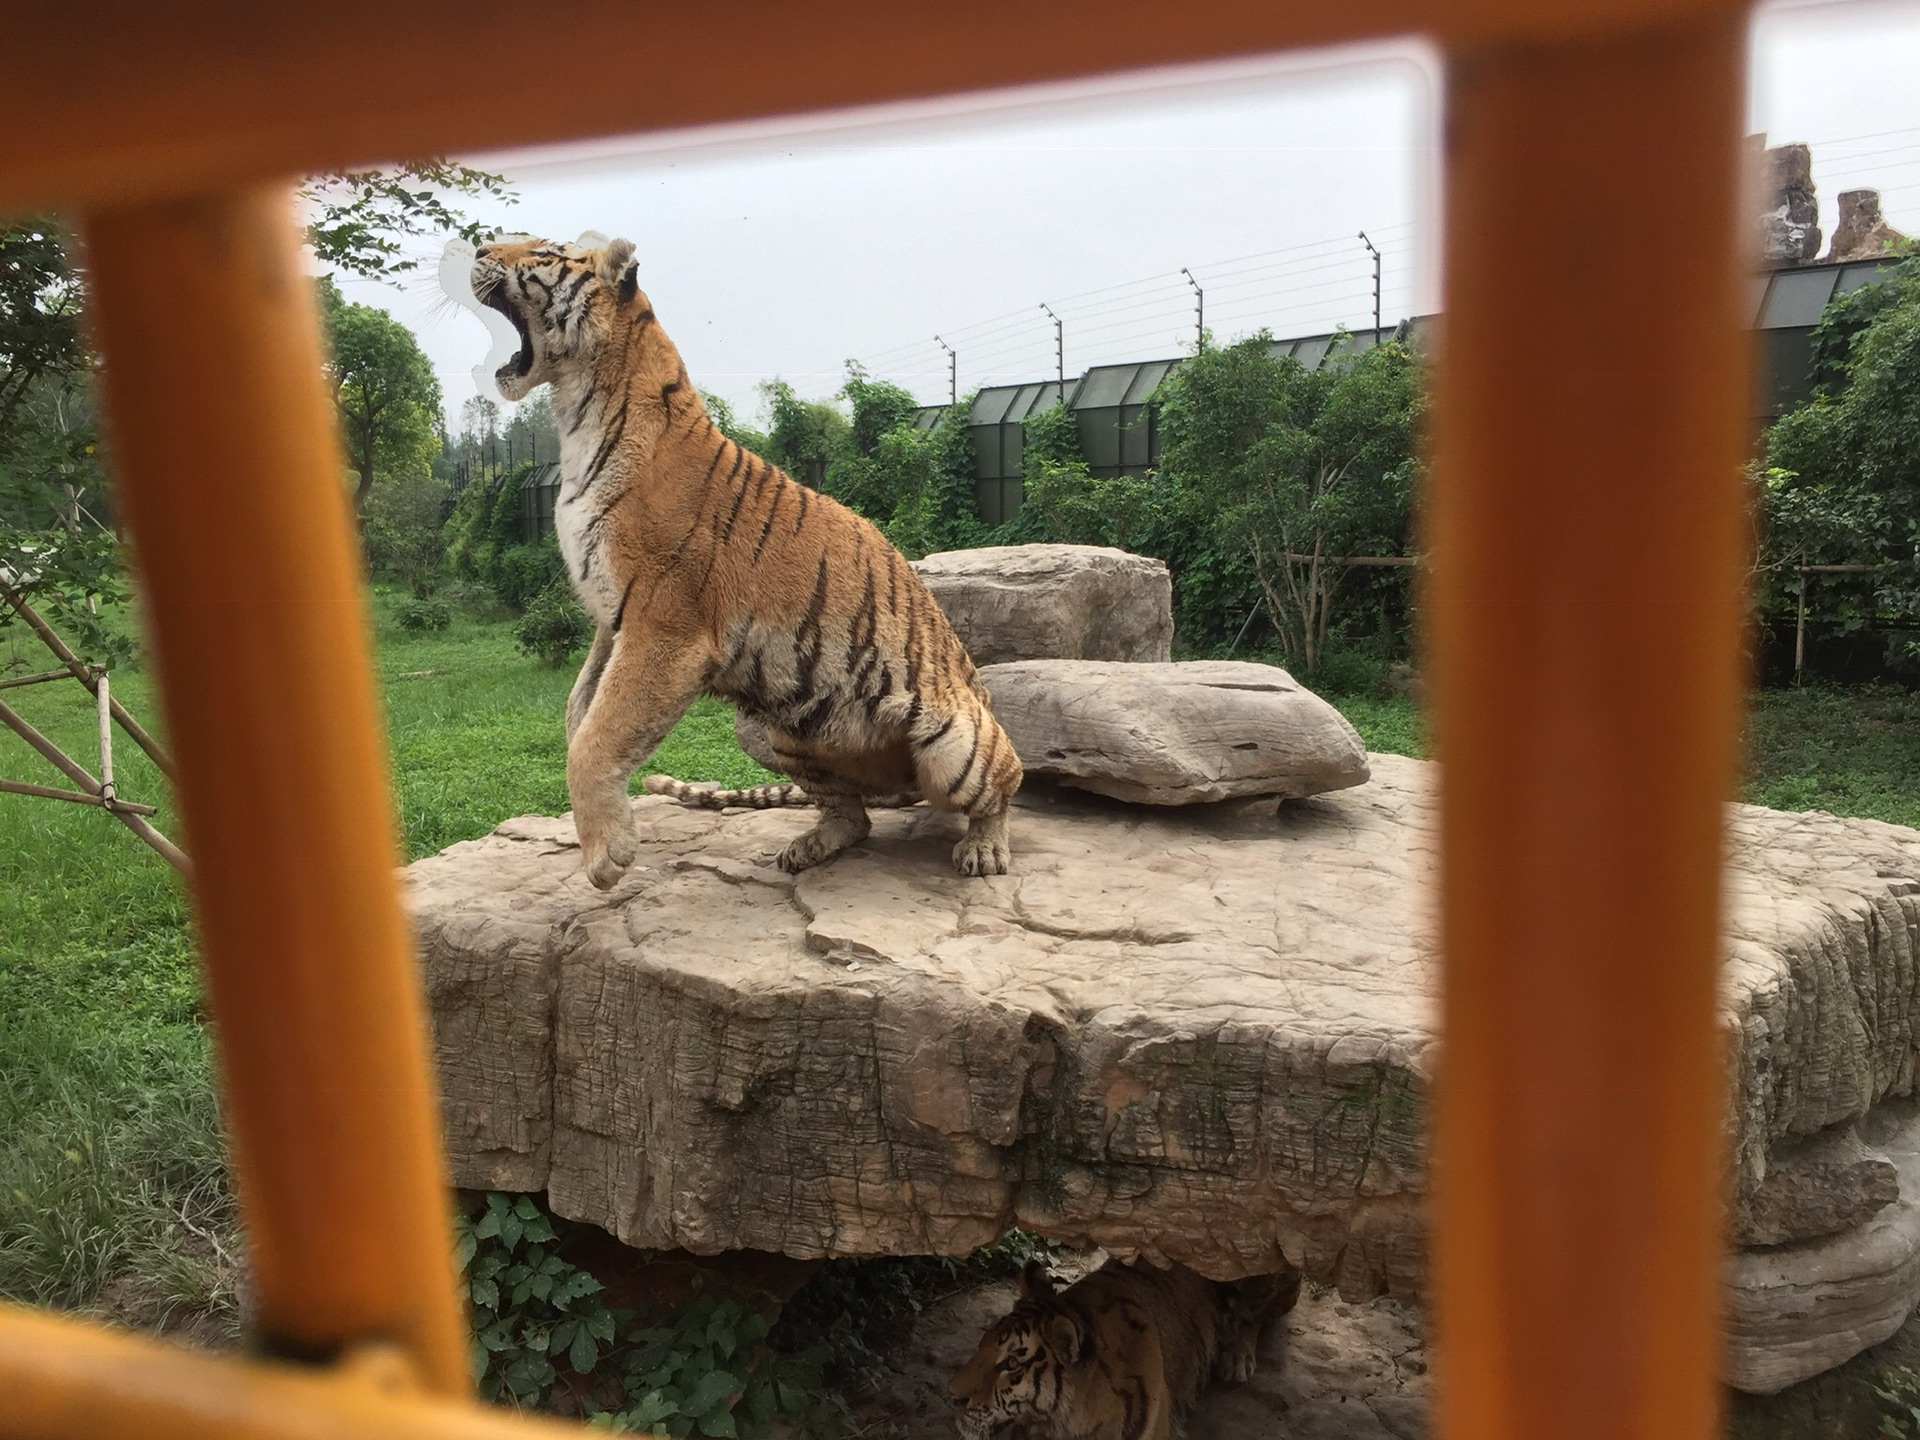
(1202, 1034)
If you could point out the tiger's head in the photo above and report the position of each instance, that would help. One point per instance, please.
(565, 301)
(1024, 1366)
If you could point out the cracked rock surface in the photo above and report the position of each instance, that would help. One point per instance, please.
(1201, 1034)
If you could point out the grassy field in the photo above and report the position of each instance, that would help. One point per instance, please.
(113, 1190)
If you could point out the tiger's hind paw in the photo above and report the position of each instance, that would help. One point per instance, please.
(833, 834)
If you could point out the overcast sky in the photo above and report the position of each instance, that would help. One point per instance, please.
(786, 251)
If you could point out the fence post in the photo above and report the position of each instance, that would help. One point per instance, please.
(1588, 542)
(248, 561)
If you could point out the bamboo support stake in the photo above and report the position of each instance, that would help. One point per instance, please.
(208, 326)
(74, 771)
(106, 737)
(1585, 608)
(78, 669)
(47, 792)
(1800, 630)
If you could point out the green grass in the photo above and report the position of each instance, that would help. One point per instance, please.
(1851, 752)
(113, 1188)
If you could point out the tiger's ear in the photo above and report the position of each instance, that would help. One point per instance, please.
(1035, 1282)
(1066, 1336)
(617, 269)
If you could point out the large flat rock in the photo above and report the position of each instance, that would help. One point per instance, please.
(1202, 1034)
(1184, 733)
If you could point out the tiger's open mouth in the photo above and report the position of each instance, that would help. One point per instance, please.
(522, 361)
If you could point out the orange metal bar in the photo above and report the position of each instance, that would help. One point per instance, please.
(1586, 581)
(121, 99)
(75, 1381)
(227, 460)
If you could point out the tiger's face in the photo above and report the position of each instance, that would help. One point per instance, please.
(1017, 1378)
(562, 299)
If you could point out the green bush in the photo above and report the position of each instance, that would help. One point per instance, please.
(707, 1371)
(475, 600)
(553, 627)
(414, 613)
(521, 574)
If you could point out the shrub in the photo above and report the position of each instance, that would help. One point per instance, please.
(553, 627)
(474, 600)
(414, 613)
(523, 573)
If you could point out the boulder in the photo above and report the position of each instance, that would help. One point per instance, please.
(1789, 207)
(1073, 602)
(1201, 1034)
(1796, 1310)
(1814, 1188)
(1863, 232)
(1174, 734)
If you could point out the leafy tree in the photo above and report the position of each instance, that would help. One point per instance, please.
(803, 436)
(732, 426)
(883, 464)
(1065, 502)
(1294, 467)
(54, 540)
(384, 390)
(404, 519)
(361, 217)
(1842, 478)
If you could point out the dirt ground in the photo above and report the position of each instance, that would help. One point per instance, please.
(1335, 1372)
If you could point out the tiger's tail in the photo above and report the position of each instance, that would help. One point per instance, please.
(708, 796)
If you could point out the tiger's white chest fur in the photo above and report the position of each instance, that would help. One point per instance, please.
(575, 509)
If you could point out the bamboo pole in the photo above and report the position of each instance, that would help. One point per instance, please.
(106, 737)
(248, 562)
(79, 670)
(77, 773)
(48, 792)
(1589, 545)
(40, 678)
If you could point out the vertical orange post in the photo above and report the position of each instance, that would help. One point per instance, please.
(1585, 612)
(228, 464)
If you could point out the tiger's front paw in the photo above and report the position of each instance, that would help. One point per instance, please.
(607, 862)
(1237, 1361)
(982, 855)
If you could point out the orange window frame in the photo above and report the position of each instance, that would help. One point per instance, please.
(1582, 627)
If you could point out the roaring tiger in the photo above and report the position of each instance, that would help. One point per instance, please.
(1120, 1355)
(708, 570)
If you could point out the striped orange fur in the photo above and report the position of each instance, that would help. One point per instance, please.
(708, 570)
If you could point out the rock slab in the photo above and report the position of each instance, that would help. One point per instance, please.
(1174, 734)
(1200, 1034)
(1070, 602)
(1797, 1310)
(1814, 1188)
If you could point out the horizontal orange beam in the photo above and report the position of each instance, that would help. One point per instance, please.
(67, 1379)
(127, 100)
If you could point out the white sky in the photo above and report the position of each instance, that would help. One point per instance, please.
(787, 250)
